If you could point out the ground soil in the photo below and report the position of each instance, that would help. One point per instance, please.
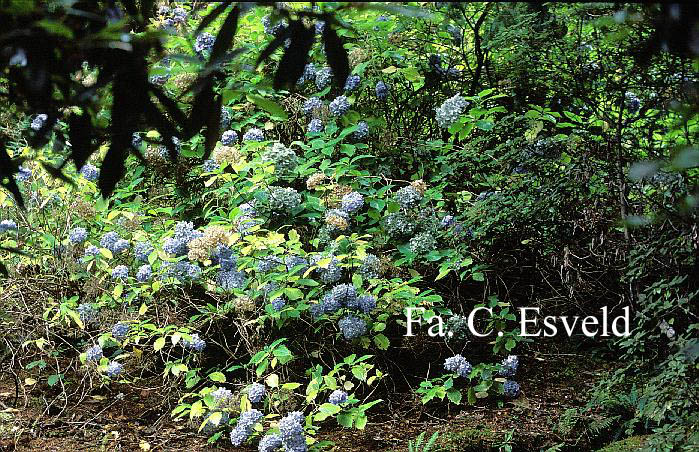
(552, 381)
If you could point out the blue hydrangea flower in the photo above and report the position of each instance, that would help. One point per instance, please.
(77, 235)
(352, 82)
(231, 279)
(181, 271)
(94, 353)
(120, 272)
(267, 263)
(225, 119)
(309, 74)
(323, 77)
(142, 250)
(511, 388)
(136, 140)
(184, 233)
(92, 250)
(39, 121)
(344, 294)
(283, 158)
(196, 344)
(224, 257)
(381, 90)
(423, 243)
(367, 303)
(270, 443)
(7, 225)
(245, 425)
(179, 15)
(254, 134)
(633, 103)
(448, 113)
(120, 245)
(23, 174)
(209, 165)
(222, 397)
(312, 105)
(330, 304)
(87, 313)
(370, 267)
(291, 432)
(339, 106)
(362, 131)
(114, 368)
(509, 366)
(229, 137)
(352, 201)
(448, 221)
(144, 273)
(337, 397)
(459, 365)
(273, 28)
(120, 330)
(319, 26)
(109, 239)
(278, 303)
(282, 200)
(398, 225)
(204, 43)
(332, 273)
(256, 392)
(352, 327)
(408, 197)
(293, 261)
(315, 126)
(90, 172)
(159, 79)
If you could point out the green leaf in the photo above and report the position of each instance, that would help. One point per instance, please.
(159, 344)
(361, 421)
(269, 106)
(53, 379)
(454, 396)
(283, 354)
(381, 341)
(345, 420)
(478, 276)
(217, 377)
(293, 293)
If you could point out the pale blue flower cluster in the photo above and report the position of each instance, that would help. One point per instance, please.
(94, 353)
(362, 131)
(142, 250)
(204, 43)
(77, 235)
(91, 250)
(328, 275)
(316, 126)
(312, 106)
(120, 272)
(114, 368)
(283, 158)
(458, 365)
(309, 74)
(229, 137)
(352, 201)
(225, 119)
(87, 313)
(292, 261)
(278, 303)
(337, 397)
(448, 113)
(196, 344)
(291, 431)
(268, 263)
(352, 327)
(144, 273)
(273, 28)
(7, 225)
(398, 225)
(120, 330)
(323, 77)
(184, 233)
(254, 134)
(181, 271)
(23, 174)
(509, 366)
(381, 90)
(423, 243)
(339, 106)
(633, 103)
(270, 443)
(39, 121)
(90, 172)
(511, 389)
(256, 392)
(369, 269)
(230, 279)
(352, 82)
(209, 165)
(408, 197)
(222, 397)
(243, 429)
(282, 200)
